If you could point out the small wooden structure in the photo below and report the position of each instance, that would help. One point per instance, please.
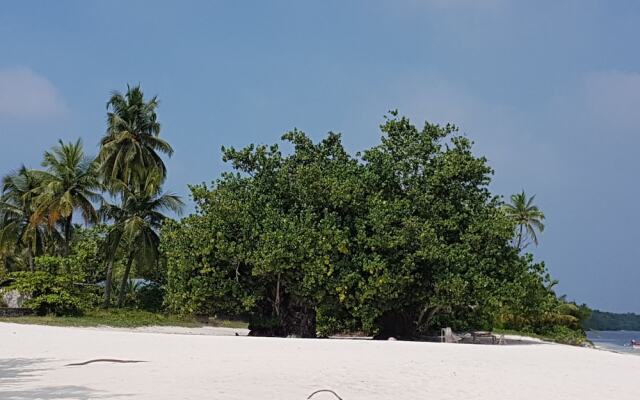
(484, 334)
(447, 336)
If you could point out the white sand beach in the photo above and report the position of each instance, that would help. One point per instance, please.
(186, 366)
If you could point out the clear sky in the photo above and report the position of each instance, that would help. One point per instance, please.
(549, 91)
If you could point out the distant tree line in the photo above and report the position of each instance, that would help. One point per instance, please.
(607, 321)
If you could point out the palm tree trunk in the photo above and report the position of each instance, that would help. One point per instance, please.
(32, 264)
(67, 234)
(108, 283)
(125, 280)
(519, 238)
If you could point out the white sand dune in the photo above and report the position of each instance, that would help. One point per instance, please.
(180, 366)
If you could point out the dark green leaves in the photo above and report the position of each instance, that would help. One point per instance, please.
(405, 238)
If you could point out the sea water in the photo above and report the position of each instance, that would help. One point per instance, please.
(615, 340)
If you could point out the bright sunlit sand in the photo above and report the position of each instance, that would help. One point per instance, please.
(178, 366)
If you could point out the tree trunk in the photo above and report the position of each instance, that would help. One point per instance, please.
(276, 303)
(32, 264)
(425, 317)
(396, 324)
(108, 283)
(125, 280)
(67, 234)
(519, 238)
(300, 322)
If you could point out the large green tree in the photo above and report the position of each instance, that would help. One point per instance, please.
(391, 242)
(69, 183)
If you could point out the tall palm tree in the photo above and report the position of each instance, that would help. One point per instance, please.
(17, 207)
(528, 218)
(70, 183)
(135, 231)
(131, 144)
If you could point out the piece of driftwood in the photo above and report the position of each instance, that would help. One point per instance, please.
(324, 390)
(111, 360)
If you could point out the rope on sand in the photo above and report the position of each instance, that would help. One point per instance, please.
(111, 360)
(324, 390)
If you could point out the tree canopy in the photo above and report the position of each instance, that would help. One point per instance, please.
(393, 241)
(132, 145)
(69, 183)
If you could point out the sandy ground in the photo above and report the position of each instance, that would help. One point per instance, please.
(179, 330)
(202, 366)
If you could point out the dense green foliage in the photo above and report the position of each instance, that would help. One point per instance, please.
(607, 321)
(56, 294)
(137, 221)
(397, 241)
(130, 146)
(70, 182)
(131, 168)
(37, 209)
(20, 238)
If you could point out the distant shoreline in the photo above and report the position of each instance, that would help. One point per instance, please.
(616, 341)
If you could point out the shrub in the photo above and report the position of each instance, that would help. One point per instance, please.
(61, 303)
(566, 335)
(149, 298)
(53, 294)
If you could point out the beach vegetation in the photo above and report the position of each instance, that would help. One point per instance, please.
(68, 184)
(119, 318)
(52, 294)
(132, 170)
(137, 220)
(398, 240)
(299, 238)
(22, 238)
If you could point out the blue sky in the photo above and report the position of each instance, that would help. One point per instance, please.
(549, 91)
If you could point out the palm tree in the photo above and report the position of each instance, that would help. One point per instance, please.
(70, 183)
(528, 219)
(135, 231)
(131, 143)
(17, 207)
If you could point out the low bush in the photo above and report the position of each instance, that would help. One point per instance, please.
(53, 294)
(566, 335)
(149, 298)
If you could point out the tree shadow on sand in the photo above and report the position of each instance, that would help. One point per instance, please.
(19, 370)
(56, 392)
(15, 372)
